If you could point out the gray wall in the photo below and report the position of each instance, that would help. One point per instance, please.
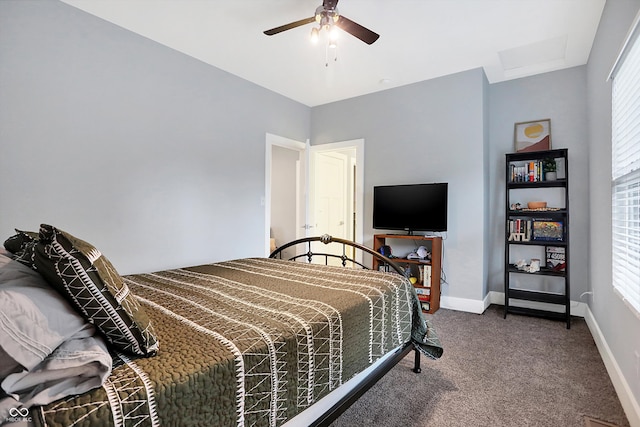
(432, 131)
(154, 157)
(619, 326)
(439, 130)
(561, 97)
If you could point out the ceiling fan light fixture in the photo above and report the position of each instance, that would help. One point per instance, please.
(314, 35)
(318, 14)
(333, 33)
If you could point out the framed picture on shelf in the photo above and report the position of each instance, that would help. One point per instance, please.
(532, 136)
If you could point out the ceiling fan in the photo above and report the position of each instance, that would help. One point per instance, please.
(327, 16)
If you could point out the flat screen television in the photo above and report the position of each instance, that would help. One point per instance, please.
(412, 207)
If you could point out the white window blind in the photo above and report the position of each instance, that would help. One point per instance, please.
(625, 180)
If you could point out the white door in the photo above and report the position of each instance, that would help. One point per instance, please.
(330, 194)
(336, 192)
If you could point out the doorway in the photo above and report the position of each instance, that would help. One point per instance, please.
(285, 191)
(329, 192)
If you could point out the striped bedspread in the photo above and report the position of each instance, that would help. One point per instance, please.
(249, 342)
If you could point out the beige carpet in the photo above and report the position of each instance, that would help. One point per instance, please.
(519, 371)
(591, 422)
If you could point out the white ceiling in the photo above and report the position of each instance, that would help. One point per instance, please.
(419, 39)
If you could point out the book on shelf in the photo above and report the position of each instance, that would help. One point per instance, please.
(423, 291)
(556, 258)
(424, 297)
(426, 275)
(519, 229)
(531, 171)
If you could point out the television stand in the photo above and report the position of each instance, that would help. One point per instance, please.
(428, 284)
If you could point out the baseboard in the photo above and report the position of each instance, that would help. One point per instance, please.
(577, 308)
(629, 403)
(464, 304)
(493, 297)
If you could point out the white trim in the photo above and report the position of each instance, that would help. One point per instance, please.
(463, 304)
(627, 400)
(495, 298)
(576, 308)
(479, 306)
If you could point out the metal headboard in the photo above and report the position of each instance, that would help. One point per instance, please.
(344, 258)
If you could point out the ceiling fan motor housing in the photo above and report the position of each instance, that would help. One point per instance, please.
(325, 17)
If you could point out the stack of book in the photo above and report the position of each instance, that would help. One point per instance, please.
(424, 292)
(529, 172)
(527, 229)
(519, 230)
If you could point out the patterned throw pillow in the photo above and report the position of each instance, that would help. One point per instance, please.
(22, 246)
(17, 242)
(91, 283)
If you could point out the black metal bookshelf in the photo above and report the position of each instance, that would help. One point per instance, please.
(525, 301)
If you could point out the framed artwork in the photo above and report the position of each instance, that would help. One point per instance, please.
(532, 136)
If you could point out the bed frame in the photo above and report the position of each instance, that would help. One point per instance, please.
(344, 403)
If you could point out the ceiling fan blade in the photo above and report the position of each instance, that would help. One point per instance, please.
(357, 30)
(290, 26)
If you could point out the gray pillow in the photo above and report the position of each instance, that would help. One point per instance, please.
(34, 318)
(47, 350)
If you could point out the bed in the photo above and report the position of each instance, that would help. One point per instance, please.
(247, 342)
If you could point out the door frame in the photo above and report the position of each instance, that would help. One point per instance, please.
(280, 141)
(306, 151)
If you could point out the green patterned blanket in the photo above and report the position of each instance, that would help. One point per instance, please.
(250, 342)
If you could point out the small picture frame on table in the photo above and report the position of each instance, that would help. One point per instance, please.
(532, 136)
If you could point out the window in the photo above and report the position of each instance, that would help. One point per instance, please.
(625, 180)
